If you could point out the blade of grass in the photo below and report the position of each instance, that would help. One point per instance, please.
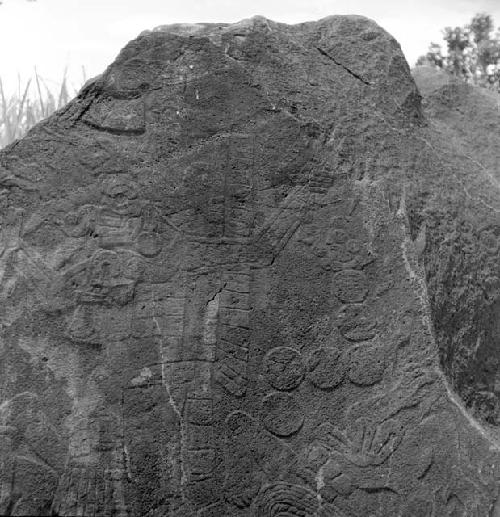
(5, 114)
(40, 96)
(50, 101)
(31, 118)
(63, 92)
(20, 109)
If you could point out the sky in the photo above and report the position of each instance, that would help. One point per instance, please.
(88, 34)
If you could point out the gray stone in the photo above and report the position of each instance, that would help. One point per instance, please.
(247, 272)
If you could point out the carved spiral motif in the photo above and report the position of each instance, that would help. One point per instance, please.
(286, 500)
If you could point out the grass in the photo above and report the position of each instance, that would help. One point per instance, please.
(33, 102)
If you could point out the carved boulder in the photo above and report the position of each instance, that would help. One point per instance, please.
(248, 272)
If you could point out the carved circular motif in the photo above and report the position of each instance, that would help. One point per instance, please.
(281, 415)
(283, 368)
(353, 246)
(238, 423)
(326, 368)
(148, 244)
(350, 286)
(359, 328)
(340, 253)
(284, 499)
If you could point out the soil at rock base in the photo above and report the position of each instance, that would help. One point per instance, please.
(249, 272)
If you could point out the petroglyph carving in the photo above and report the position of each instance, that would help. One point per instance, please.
(119, 191)
(283, 368)
(286, 499)
(148, 244)
(146, 427)
(113, 224)
(81, 326)
(407, 391)
(341, 244)
(117, 116)
(489, 238)
(32, 456)
(278, 230)
(115, 230)
(367, 364)
(350, 286)
(108, 277)
(208, 228)
(355, 325)
(335, 481)
(80, 222)
(88, 491)
(233, 330)
(338, 255)
(363, 443)
(326, 368)
(242, 475)
(281, 414)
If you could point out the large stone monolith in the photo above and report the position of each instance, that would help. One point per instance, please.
(246, 272)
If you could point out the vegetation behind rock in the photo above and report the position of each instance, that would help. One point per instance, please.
(471, 52)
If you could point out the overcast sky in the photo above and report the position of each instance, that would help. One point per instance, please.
(51, 34)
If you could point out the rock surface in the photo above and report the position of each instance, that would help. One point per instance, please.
(248, 273)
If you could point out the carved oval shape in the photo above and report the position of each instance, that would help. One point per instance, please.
(359, 328)
(350, 286)
(367, 364)
(281, 415)
(148, 244)
(326, 368)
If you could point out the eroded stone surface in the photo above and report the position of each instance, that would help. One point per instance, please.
(213, 294)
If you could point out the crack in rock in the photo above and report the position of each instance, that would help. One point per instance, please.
(348, 70)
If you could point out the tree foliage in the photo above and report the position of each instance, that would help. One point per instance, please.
(471, 52)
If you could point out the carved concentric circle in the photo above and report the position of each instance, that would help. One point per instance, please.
(286, 500)
(283, 368)
(281, 415)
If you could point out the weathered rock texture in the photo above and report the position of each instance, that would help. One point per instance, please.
(246, 273)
